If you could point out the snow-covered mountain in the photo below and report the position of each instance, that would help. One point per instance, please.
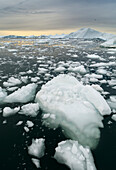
(85, 33)
(88, 33)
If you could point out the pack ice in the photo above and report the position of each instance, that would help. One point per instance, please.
(74, 155)
(78, 109)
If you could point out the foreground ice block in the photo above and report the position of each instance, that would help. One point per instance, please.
(74, 155)
(22, 95)
(78, 109)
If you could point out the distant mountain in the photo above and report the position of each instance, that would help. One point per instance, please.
(84, 33)
(88, 33)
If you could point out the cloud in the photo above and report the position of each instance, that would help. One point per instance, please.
(56, 14)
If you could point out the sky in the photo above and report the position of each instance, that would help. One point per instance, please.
(36, 17)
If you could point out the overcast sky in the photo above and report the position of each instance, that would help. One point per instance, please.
(45, 15)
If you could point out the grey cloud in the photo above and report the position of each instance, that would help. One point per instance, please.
(57, 14)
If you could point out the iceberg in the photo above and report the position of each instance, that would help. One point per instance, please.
(74, 155)
(78, 109)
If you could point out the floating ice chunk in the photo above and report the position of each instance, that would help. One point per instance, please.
(37, 148)
(29, 123)
(80, 69)
(114, 117)
(60, 69)
(3, 94)
(101, 71)
(74, 155)
(36, 162)
(93, 80)
(29, 72)
(112, 102)
(93, 56)
(19, 123)
(103, 64)
(42, 70)
(97, 87)
(12, 82)
(78, 109)
(30, 109)
(7, 111)
(12, 88)
(112, 82)
(34, 79)
(93, 75)
(24, 79)
(26, 129)
(22, 95)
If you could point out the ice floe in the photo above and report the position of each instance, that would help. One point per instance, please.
(12, 82)
(7, 111)
(78, 109)
(30, 109)
(37, 148)
(22, 95)
(74, 155)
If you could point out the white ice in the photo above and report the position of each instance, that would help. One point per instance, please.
(78, 109)
(7, 111)
(30, 109)
(74, 155)
(37, 148)
(12, 82)
(22, 95)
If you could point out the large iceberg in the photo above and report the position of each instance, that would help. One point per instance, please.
(78, 109)
(74, 155)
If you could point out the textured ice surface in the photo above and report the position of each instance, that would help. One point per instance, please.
(30, 109)
(78, 109)
(74, 155)
(22, 95)
(7, 111)
(12, 82)
(37, 148)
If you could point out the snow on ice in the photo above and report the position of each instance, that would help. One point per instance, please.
(74, 155)
(22, 95)
(78, 109)
(37, 148)
(30, 109)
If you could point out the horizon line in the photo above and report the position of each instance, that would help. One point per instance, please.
(46, 32)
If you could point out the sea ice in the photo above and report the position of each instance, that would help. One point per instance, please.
(30, 109)
(74, 155)
(12, 82)
(3, 94)
(22, 95)
(78, 109)
(36, 162)
(7, 111)
(37, 148)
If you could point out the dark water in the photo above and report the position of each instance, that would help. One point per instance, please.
(14, 141)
